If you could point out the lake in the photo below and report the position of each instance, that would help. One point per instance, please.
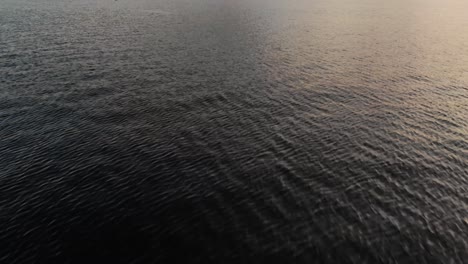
(248, 131)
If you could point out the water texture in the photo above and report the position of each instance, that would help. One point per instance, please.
(248, 131)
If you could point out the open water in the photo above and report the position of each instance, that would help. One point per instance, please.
(248, 131)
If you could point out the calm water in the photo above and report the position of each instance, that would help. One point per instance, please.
(248, 131)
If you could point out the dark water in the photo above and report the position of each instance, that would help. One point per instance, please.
(248, 131)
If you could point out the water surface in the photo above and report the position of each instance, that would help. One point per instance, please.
(249, 131)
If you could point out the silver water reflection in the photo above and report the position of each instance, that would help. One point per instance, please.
(254, 131)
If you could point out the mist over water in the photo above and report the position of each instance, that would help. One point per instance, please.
(248, 131)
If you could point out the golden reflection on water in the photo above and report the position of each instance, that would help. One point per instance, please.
(411, 55)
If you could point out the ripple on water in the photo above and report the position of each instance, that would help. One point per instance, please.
(254, 132)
